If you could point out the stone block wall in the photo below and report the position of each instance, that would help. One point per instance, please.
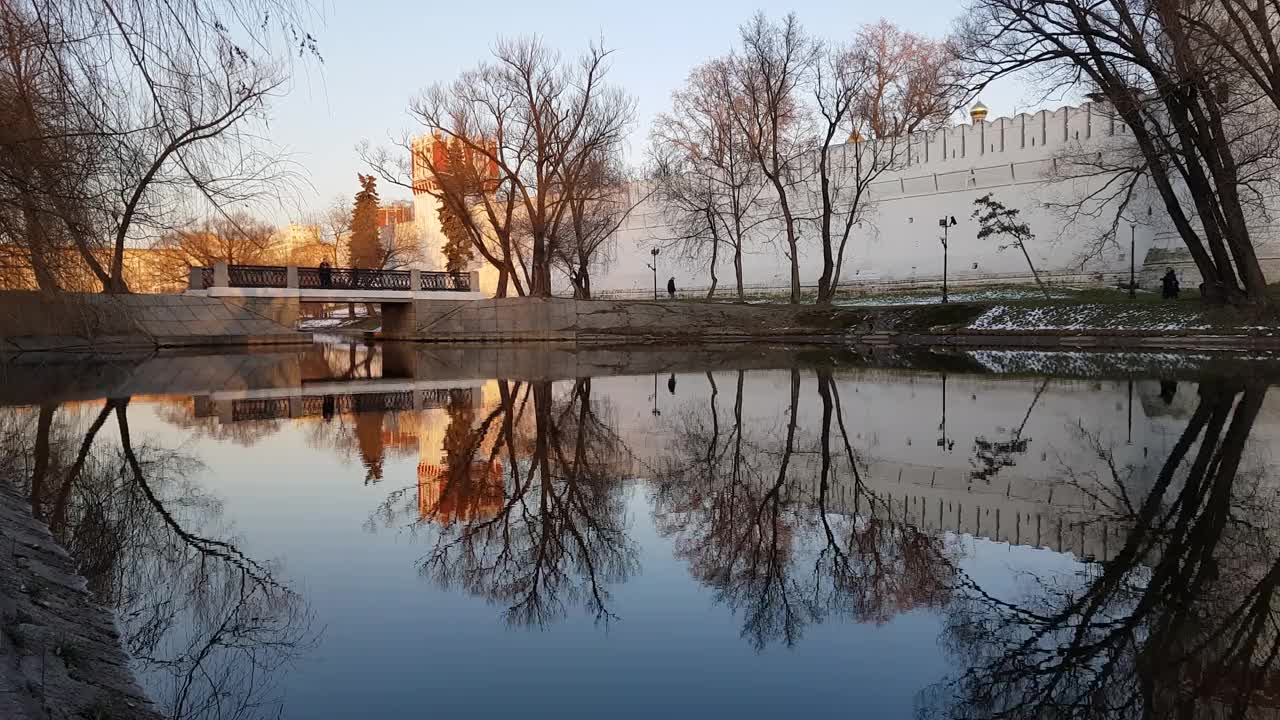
(282, 311)
(51, 321)
(621, 321)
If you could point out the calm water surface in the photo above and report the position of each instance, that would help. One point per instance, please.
(356, 531)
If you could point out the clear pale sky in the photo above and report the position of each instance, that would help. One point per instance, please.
(379, 53)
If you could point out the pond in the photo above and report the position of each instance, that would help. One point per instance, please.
(366, 531)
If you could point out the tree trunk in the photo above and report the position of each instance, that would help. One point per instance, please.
(793, 248)
(792, 243)
(38, 244)
(540, 279)
(737, 252)
(715, 255)
(40, 458)
(737, 271)
(828, 261)
(1034, 274)
(501, 290)
(582, 286)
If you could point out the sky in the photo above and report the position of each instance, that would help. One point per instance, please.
(378, 54)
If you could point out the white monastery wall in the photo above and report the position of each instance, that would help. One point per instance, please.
(1018, 159)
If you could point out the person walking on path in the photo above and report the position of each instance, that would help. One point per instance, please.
(1169, 286)
(671, 287)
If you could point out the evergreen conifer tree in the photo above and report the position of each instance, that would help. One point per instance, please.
(363, 247)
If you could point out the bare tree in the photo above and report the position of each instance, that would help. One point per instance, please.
(401, 246)
(875, 92)
(706, 182)
(335, 224)
(604, 199)
(771, 71)
(237, 239)
(1207, 142)
(158, 103)
(537, 124)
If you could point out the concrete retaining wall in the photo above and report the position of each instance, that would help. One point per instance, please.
(614, 321)
(60, 654)
(34, 321)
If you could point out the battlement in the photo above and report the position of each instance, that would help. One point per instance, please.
(1022, 137)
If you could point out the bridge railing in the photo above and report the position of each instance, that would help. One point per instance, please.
(315, 278)
(309, 405)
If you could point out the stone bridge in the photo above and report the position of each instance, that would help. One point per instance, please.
(277, 291)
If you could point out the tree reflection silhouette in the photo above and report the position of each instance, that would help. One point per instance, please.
(1180, 623)
(209, 627)
(559, 537)
(757, 520)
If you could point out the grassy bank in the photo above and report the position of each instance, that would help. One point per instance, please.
(1026, 309)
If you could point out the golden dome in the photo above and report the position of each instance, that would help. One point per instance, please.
(978, 111)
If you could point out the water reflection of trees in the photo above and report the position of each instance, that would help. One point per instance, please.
(1181, 622)
(209, 626)
(558, 535)
(778, 521)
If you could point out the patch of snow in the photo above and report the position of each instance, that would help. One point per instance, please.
(1085, 317)
(1004, 294)
(1043, 362)
(310, 323)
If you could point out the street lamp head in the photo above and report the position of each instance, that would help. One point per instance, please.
(655, 252)
(947, 221)
(953, 221)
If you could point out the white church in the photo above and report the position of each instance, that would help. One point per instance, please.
(1019, 160)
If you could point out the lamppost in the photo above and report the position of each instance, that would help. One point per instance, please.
(942, 441)
(1133, 232)
(654, 268)
(946, 224)
(1133, 288)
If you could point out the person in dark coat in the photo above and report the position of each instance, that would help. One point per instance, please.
(1169, 286)
(326, 274)
(671, 287)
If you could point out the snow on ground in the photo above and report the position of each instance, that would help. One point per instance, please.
(977, 295)
(1088, 317)
(317, 323)
(1083, 363)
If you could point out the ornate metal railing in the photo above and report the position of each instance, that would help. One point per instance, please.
(352, 279)
(311, 405)
(259, 409)
(460, 282)
(314, 278)
(257, 276)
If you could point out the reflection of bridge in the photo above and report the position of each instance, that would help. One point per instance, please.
(331, 398)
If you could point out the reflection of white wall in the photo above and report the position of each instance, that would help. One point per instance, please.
(894, 422)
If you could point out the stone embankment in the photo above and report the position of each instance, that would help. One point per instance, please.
(60, 654)
(609, 322)
(34, 322)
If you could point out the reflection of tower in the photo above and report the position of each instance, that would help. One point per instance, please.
(369, 440)
(457, 480)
